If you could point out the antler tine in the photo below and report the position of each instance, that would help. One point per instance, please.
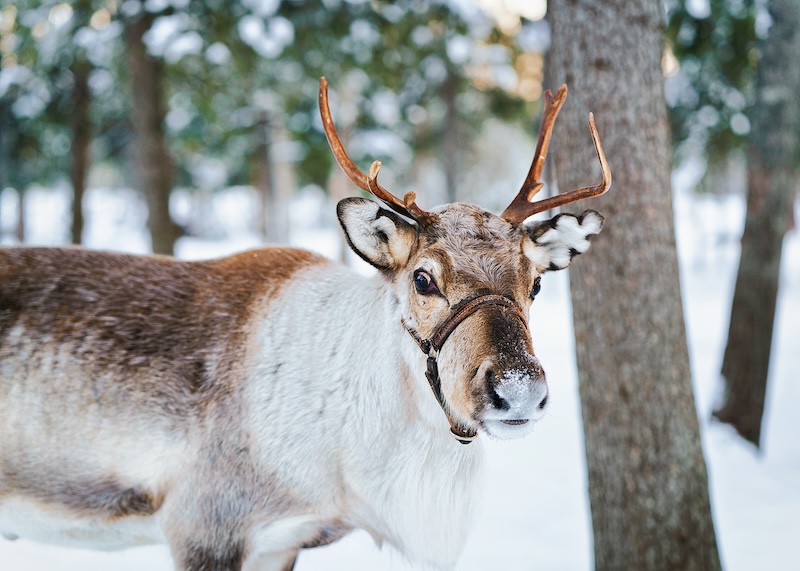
(580, 193)
(406, 207)
(408, 204)
(521, 207)
(552, 107)
(517, 211)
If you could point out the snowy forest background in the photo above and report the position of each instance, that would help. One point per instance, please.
(445, 93)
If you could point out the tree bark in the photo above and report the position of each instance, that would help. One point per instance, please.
(19, 231)
(261, 175)
(772, 160)
(262, 172)
(5, 158)
(153, 162)
(451, 143)
(648, 486)
(81, 144)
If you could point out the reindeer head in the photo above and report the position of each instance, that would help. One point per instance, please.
(468, 277)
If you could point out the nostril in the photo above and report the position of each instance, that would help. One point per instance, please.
(497, 401)
(544, 401)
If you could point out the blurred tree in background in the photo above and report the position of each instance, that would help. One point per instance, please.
(732, 89)
(220, 93)
(710, 66)
(56, 96)
(773, 165)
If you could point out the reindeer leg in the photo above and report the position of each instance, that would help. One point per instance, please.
(289, 565)
(283, 561)
(201, 558)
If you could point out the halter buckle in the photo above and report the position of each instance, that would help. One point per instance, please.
(463, 438)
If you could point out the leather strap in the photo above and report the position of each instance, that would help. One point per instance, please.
(466, 308)
(434, 343)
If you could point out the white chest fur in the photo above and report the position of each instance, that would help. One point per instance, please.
(373, 447)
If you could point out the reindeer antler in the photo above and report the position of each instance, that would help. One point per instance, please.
(407, 207)
(522, 207)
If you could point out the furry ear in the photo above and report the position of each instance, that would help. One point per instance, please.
(553, 243)
(379, 236)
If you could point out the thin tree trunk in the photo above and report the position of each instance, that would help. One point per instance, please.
(81, 143)
(5, 158)
(772, 160)
(20, 229)
(648, 486)
(272, 181)
(263, 178)
(154, 165)
(285, 180)
(451, 143)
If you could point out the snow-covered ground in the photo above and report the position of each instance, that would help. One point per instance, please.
(535, 512)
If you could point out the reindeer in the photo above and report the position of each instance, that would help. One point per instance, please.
(245, 408)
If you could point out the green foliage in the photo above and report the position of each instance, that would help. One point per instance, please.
(708, 96)
(377, 56)
(50, 39)
(237, 69)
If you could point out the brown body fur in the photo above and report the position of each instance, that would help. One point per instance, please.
(152, 344)
(180, 322)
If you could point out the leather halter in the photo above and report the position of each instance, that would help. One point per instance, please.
(433, 345)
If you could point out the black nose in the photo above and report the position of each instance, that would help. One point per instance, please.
(544, 401)
(497, 401)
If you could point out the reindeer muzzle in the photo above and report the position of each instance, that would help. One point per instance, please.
(432, 345)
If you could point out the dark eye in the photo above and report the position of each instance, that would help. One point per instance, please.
(424, 283)
(537, 286)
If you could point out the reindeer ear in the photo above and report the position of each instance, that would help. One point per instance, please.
(379, 236)
(556, 241)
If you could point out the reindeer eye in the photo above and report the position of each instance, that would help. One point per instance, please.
(537, 286)
(424, 283)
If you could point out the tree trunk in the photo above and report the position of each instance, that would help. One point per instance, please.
(262, 172)
(772, 160)
(153, 162)
(451, 144)
(5, 155)
(285, 180)
(648, 486)
(81, 143)
(20, 229)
